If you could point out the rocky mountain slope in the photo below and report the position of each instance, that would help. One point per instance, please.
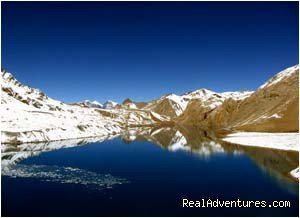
(273, 107)
(173, 105)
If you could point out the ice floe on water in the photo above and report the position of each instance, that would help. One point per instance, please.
(282, 141)
(11, 155)
(65, 175)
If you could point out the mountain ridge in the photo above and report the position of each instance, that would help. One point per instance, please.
(29, 115)
(265, 110)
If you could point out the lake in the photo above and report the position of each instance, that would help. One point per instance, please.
(145, 172)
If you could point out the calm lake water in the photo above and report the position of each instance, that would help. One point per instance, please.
(145, 172)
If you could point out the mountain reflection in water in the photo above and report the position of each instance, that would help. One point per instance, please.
(275, 163)
(204, 143)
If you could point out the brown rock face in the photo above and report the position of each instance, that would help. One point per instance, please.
(274, 107)
(196, 114)
(163, 107)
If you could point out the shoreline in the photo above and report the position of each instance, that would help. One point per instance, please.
(281, 141)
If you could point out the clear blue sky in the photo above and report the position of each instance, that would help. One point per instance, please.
(97, 50)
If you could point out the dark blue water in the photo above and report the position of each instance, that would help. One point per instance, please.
(157, 181)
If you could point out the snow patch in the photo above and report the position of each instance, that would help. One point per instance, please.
(94, 104)
(295, 173)
(282, 141)
(109, 104)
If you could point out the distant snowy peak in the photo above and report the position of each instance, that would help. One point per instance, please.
(208, 97)
(174, 105)
(91, 104)
(281, 76)
(215, 99)
(205, 94)
(95, 104)
(200, 93)
(239, 95)
(109, 104)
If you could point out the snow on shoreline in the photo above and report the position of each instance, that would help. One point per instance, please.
(282, 141)
(295, 173)
(24, 126)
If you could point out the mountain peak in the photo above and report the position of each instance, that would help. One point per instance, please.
(280, 76)
(109, 104)
(127, 101)
(93, 104)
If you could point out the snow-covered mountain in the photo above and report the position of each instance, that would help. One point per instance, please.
(95, 104)
(174, 105)
(109, 104)
(29, 115)
(92, 104)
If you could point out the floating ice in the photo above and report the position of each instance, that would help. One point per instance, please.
(64, 175)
